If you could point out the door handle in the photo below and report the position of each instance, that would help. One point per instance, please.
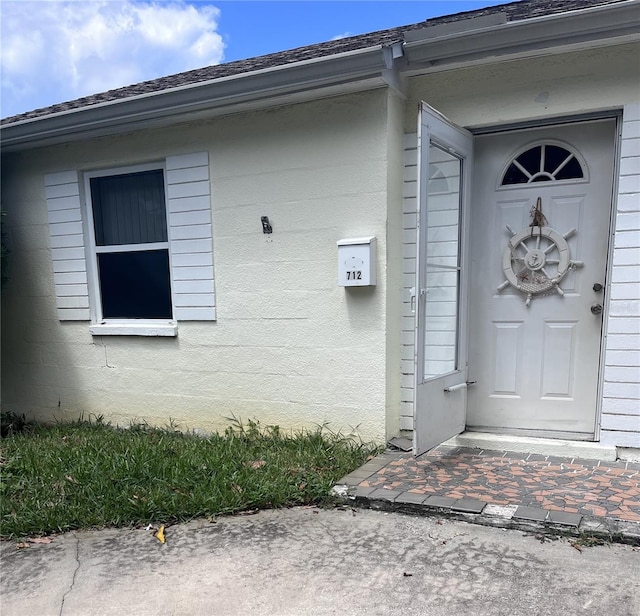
(458, 386)
(596, 308)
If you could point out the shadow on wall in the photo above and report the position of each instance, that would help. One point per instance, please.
(37, 369)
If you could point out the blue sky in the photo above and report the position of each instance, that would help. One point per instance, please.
(255, 28)
(58, 50)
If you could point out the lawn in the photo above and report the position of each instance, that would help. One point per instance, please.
(92, 475)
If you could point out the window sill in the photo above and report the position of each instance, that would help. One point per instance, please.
(134, 329)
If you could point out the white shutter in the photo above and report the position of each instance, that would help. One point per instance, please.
(62, 192)
(190, 237)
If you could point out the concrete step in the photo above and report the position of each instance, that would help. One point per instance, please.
(543, 446)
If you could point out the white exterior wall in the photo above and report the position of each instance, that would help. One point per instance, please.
(517, 91)
(409, 229)
(289, 346)
(621, 395)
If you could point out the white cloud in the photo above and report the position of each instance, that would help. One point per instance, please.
(58, 50)
(337, 37)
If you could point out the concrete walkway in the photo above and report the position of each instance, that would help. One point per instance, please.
(508, 489)
(310, 562)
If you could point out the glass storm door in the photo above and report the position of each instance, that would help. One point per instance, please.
(444, 173)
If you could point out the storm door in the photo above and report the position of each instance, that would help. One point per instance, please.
(444, 173)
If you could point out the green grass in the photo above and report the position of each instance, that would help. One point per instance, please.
(91, 475)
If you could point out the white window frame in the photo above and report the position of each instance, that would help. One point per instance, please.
(562, 144)
(101, 325)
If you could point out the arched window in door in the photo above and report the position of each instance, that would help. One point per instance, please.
(545, 162)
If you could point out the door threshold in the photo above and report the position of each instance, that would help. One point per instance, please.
(541, 446)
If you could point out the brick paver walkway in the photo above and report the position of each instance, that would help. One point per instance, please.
(583, 487)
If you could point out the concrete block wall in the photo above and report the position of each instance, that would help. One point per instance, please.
(289, 346)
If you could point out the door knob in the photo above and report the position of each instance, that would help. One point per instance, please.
(596, 308)
(597, 287)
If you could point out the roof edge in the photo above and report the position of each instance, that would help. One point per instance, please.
(355, 70)
(261, 85)
(599, 24)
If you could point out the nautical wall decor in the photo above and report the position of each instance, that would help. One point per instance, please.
(537, 258)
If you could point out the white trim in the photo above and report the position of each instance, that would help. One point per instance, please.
(151, 166)
(146, 328)
(131, 247)
(573, 29)
(93, 250)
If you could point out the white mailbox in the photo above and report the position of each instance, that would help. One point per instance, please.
(357, 262)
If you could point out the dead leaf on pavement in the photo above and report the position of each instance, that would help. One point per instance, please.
(40, 540)
(21, 546)
(160, 534)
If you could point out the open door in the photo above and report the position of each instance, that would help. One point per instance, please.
(444, 178)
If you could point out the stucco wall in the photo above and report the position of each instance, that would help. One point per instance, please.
(534, 89)
(528, 89)
(289, 346)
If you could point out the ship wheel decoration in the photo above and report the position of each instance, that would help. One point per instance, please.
(537, 258)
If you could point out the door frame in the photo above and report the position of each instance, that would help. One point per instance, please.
(616, 115)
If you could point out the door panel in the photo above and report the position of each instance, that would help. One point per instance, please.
(444, 172)
(558, 359)
(537, 366)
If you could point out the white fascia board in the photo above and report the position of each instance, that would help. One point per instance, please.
(589, 27)
(364, 66)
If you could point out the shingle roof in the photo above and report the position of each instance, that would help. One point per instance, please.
(514, 11)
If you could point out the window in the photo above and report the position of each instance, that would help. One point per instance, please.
(136, 257)
(442, 263)
(546, 162)
(129, 227)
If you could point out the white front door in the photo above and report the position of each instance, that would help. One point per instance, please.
(537, 291)
(444, 175)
